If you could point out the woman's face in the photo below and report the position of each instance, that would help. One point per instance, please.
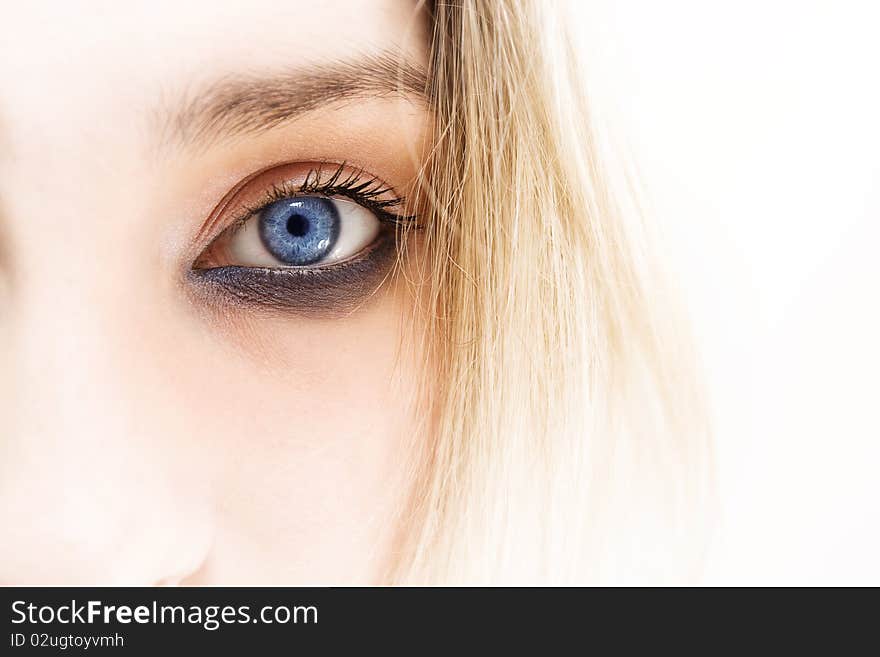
(205, 374)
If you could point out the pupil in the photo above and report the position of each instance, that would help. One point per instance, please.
(297, 225)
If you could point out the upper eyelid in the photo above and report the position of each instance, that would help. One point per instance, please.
(282, 186)
(285, 190)
(357, 185)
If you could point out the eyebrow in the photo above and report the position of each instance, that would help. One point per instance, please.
(242, 105)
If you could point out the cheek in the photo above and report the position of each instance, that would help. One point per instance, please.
(315, 420)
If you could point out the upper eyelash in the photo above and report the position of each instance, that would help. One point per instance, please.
(366, 190)
(360, 188)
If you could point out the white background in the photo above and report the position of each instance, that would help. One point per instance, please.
(756, 127)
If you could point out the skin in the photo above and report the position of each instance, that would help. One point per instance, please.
(147, 435)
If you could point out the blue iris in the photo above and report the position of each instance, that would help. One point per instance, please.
(301, 230)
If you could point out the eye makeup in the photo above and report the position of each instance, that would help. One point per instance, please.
(342, 284)
(331, 290)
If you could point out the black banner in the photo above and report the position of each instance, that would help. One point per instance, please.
(256, 621)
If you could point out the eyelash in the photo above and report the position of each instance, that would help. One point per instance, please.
(357, 186)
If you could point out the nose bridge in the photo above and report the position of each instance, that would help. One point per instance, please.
(88, 489)
(67, 334)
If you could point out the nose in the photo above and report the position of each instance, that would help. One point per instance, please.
(96, 483)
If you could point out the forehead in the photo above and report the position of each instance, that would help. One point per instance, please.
(63, 63)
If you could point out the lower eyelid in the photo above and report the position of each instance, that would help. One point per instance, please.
(329, 290)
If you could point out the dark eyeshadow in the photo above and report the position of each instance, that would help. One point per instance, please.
(326, 291)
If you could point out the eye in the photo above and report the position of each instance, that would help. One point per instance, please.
(309, 238)
(300, 217)
(303, 231)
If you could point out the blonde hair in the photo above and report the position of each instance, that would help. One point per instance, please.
(568, 440)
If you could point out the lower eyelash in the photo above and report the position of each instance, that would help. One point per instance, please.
(322, 291)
